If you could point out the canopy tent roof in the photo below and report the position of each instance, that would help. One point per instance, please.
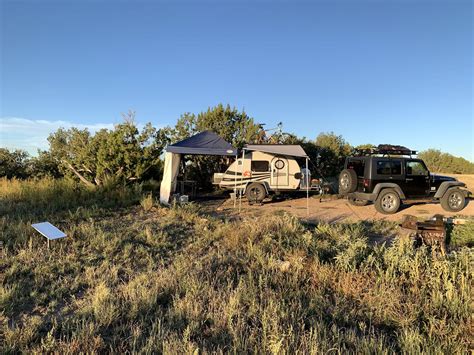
(292, 150)
(204, 143)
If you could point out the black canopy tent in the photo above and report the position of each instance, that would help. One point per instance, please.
(204, 143)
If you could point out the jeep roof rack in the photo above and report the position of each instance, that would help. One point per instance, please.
(387, 149)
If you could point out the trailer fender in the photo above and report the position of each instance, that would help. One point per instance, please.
(447, 185)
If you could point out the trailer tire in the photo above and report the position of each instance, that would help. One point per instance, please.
(255, 193)
(347, 181)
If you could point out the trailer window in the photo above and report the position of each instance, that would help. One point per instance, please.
(259, 165)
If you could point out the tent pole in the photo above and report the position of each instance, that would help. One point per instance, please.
(308, 184)
(235, 179)
(241, 180)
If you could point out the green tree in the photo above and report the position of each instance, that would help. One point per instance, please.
(122, 154)
(43, 165)
(229, 123)
(234, 126)
(13, 164)
(438, 161)
(331, 152)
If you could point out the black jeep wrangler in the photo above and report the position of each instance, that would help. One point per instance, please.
(388, 174)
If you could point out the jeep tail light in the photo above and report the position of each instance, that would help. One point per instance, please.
(366, 182)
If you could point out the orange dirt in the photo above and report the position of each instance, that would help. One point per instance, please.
(338, 210)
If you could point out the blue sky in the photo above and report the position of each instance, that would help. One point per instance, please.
(373, 71)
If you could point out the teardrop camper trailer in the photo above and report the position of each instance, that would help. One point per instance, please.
(266, 169)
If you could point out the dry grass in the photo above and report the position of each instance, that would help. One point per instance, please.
(128, 279)
(467, 179)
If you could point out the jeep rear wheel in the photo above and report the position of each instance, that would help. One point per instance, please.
(347, 181)
(453, 200)
(388, 201)
(355, 202)
(255, 193)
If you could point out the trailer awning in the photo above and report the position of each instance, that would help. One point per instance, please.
(204, 143)
(293, 150)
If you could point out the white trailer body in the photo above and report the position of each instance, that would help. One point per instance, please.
(274, 172)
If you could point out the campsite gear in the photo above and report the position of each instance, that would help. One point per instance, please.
(204, 143)
(49, 231)
(430, 232)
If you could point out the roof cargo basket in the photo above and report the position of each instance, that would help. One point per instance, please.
(387, 149)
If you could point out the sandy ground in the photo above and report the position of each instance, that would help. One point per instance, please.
(338, 210)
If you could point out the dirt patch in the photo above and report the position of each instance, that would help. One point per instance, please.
(329, 210)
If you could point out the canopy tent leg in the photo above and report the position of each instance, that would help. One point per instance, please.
(241, 180)
(308, 184)
(235, 182)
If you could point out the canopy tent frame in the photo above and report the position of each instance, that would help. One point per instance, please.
(203, 143)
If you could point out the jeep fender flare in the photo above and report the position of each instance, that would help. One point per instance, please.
(445, 186)
(384, 185)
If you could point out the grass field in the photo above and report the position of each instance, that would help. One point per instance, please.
(135, 277)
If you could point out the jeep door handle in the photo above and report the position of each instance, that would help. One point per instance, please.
(409, 179)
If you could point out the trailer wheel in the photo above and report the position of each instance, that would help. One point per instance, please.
(255, 193)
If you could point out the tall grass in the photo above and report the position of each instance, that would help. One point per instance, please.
(175, 280)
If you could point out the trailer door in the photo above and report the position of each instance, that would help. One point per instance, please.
(279, 178)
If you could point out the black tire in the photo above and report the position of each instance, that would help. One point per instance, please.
(453, 200)
(388, 201)
(355, 202)
(255, 193)
(347, 181)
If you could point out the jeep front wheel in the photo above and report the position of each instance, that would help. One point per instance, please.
(387, 202)
(453, 200)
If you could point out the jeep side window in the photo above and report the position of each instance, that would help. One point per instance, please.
(396, 167)
(389, 167)
(416, 168)
(383, 167)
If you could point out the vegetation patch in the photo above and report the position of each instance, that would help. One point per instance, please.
(134, 276)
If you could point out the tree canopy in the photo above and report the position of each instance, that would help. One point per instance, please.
(122, 154)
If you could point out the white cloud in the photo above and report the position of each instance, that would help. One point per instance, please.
(31, 135)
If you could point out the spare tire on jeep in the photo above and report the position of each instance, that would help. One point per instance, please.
(347, 181)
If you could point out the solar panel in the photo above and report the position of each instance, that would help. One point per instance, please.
(48, 230)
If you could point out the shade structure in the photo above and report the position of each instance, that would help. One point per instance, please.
(293, 150)
(204, 143)
(170, 173)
